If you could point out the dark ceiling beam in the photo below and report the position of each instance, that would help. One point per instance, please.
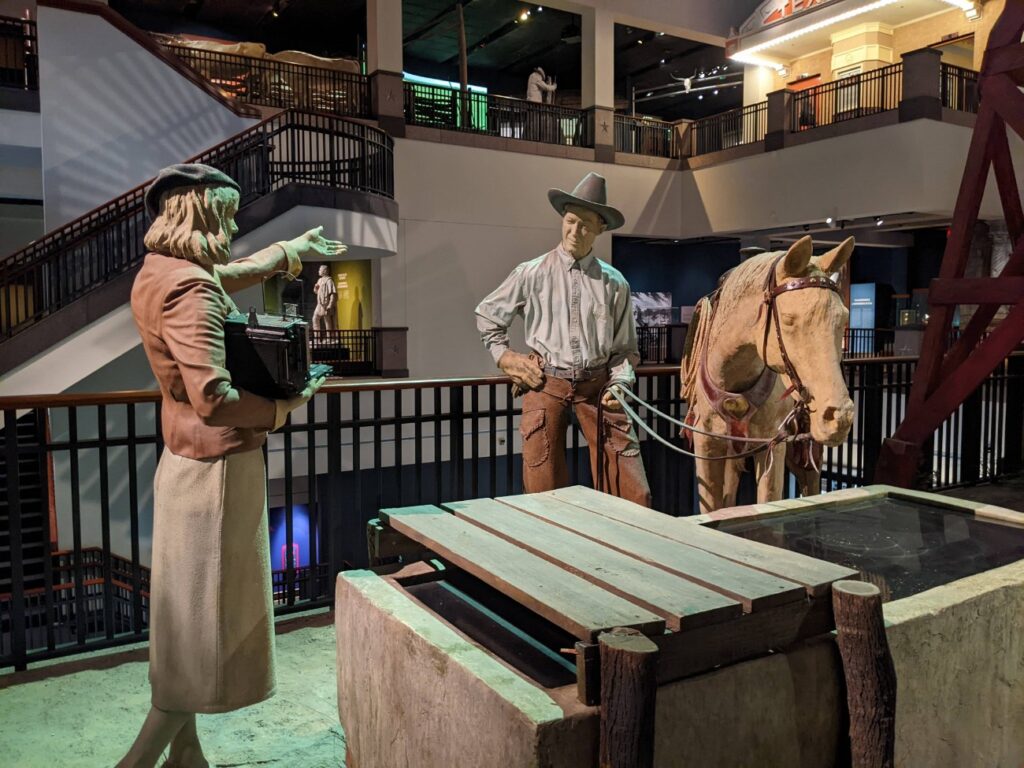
(428, 26)
(483, 42)
(668, 61)
(646, 37)
(536, 53)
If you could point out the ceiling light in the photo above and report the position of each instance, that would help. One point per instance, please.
(661, 34)
(829, 221)
(524, 15)
(700, 97)
(639, 42)
(539, 9)
(715, 92)
(650, 93)
(662, 61)
(879, 221)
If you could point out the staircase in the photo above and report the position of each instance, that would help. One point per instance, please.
(80, 272)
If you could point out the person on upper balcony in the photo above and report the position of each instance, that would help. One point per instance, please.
(538, 85)
(578, 315)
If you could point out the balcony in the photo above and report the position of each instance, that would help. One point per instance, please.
(280, 84)
(788, 117)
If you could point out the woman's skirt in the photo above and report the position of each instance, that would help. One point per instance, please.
(211, 641)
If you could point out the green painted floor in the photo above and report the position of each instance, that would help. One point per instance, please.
(89, 717)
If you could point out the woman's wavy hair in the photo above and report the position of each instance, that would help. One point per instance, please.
(195, 223)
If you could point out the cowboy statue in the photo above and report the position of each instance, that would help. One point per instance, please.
(578, 317)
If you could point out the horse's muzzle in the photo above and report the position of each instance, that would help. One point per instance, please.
(834, 423)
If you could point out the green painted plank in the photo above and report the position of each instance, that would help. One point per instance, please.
(754, 589)
(815, 575)
(683, 604)
(567, 600)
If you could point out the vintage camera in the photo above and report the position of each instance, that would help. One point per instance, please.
(269, 355)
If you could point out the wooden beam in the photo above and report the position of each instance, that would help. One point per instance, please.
(954, 260)
(958, 383)
(1006, 59)
(1006, 179)
(976, 290)
(629, 687)
(1004, 95)
(869, 671)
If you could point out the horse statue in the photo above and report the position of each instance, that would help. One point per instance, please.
(762, 364)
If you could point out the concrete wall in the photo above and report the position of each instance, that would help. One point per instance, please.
(469, 215)
(113, 114)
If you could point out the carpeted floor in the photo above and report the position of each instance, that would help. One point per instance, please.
(86, 713)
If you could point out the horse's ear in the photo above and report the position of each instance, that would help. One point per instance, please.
(832, 261)
(798, 257)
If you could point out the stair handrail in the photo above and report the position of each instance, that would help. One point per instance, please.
(120, 223)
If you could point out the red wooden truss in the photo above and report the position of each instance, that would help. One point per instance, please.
(946, 378)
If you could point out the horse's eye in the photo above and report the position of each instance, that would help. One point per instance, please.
(788, 320)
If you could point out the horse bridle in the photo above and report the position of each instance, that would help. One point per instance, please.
(772, 291)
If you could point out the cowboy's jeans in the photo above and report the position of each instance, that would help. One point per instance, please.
(543, 427)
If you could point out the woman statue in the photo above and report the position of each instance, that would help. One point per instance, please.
(211, 632)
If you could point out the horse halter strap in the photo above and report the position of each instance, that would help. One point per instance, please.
(772, 291)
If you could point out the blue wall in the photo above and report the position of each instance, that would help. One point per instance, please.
(688, 270)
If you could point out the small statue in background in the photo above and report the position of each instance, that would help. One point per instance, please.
(538, 86)
(324, 316)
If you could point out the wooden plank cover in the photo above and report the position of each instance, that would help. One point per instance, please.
(563, 598)
(816, 575)
(682, 603)
(754, 589)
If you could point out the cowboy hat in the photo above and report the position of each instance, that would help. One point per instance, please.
(590, 194)
(184, 175)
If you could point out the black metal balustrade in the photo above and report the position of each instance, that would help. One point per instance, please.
(646, 136)
(290, 148)
(281, 84)
(959, 88)
(868, 342)
(745, 125)
(484, 113)
(879, 90)
(19, 58)
(348, 352)
(355, 449)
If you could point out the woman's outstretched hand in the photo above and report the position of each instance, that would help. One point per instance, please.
(313, 245)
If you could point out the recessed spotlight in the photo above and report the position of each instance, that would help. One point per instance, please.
(540, 9)
(700, 97)
(649, 93)
(662, 61)
(715, 92)
(524, 15)
(639, 42)
(879, 221)
(829, 221)
(662, 34)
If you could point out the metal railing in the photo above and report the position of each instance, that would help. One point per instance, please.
(734, 128)
(19, 59)
(851, 97)
(646, 136)
(358, 448)
(292, 147)
(959, 88)
(868, 342)
(484, 113)
(348, 352)
(281, 84)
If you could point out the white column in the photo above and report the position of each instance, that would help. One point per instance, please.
(598, 59)
(384, 36)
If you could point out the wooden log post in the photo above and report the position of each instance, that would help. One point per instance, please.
(629, 663)
(869, 672)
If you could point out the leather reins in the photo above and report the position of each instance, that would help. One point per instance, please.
(772, 291)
